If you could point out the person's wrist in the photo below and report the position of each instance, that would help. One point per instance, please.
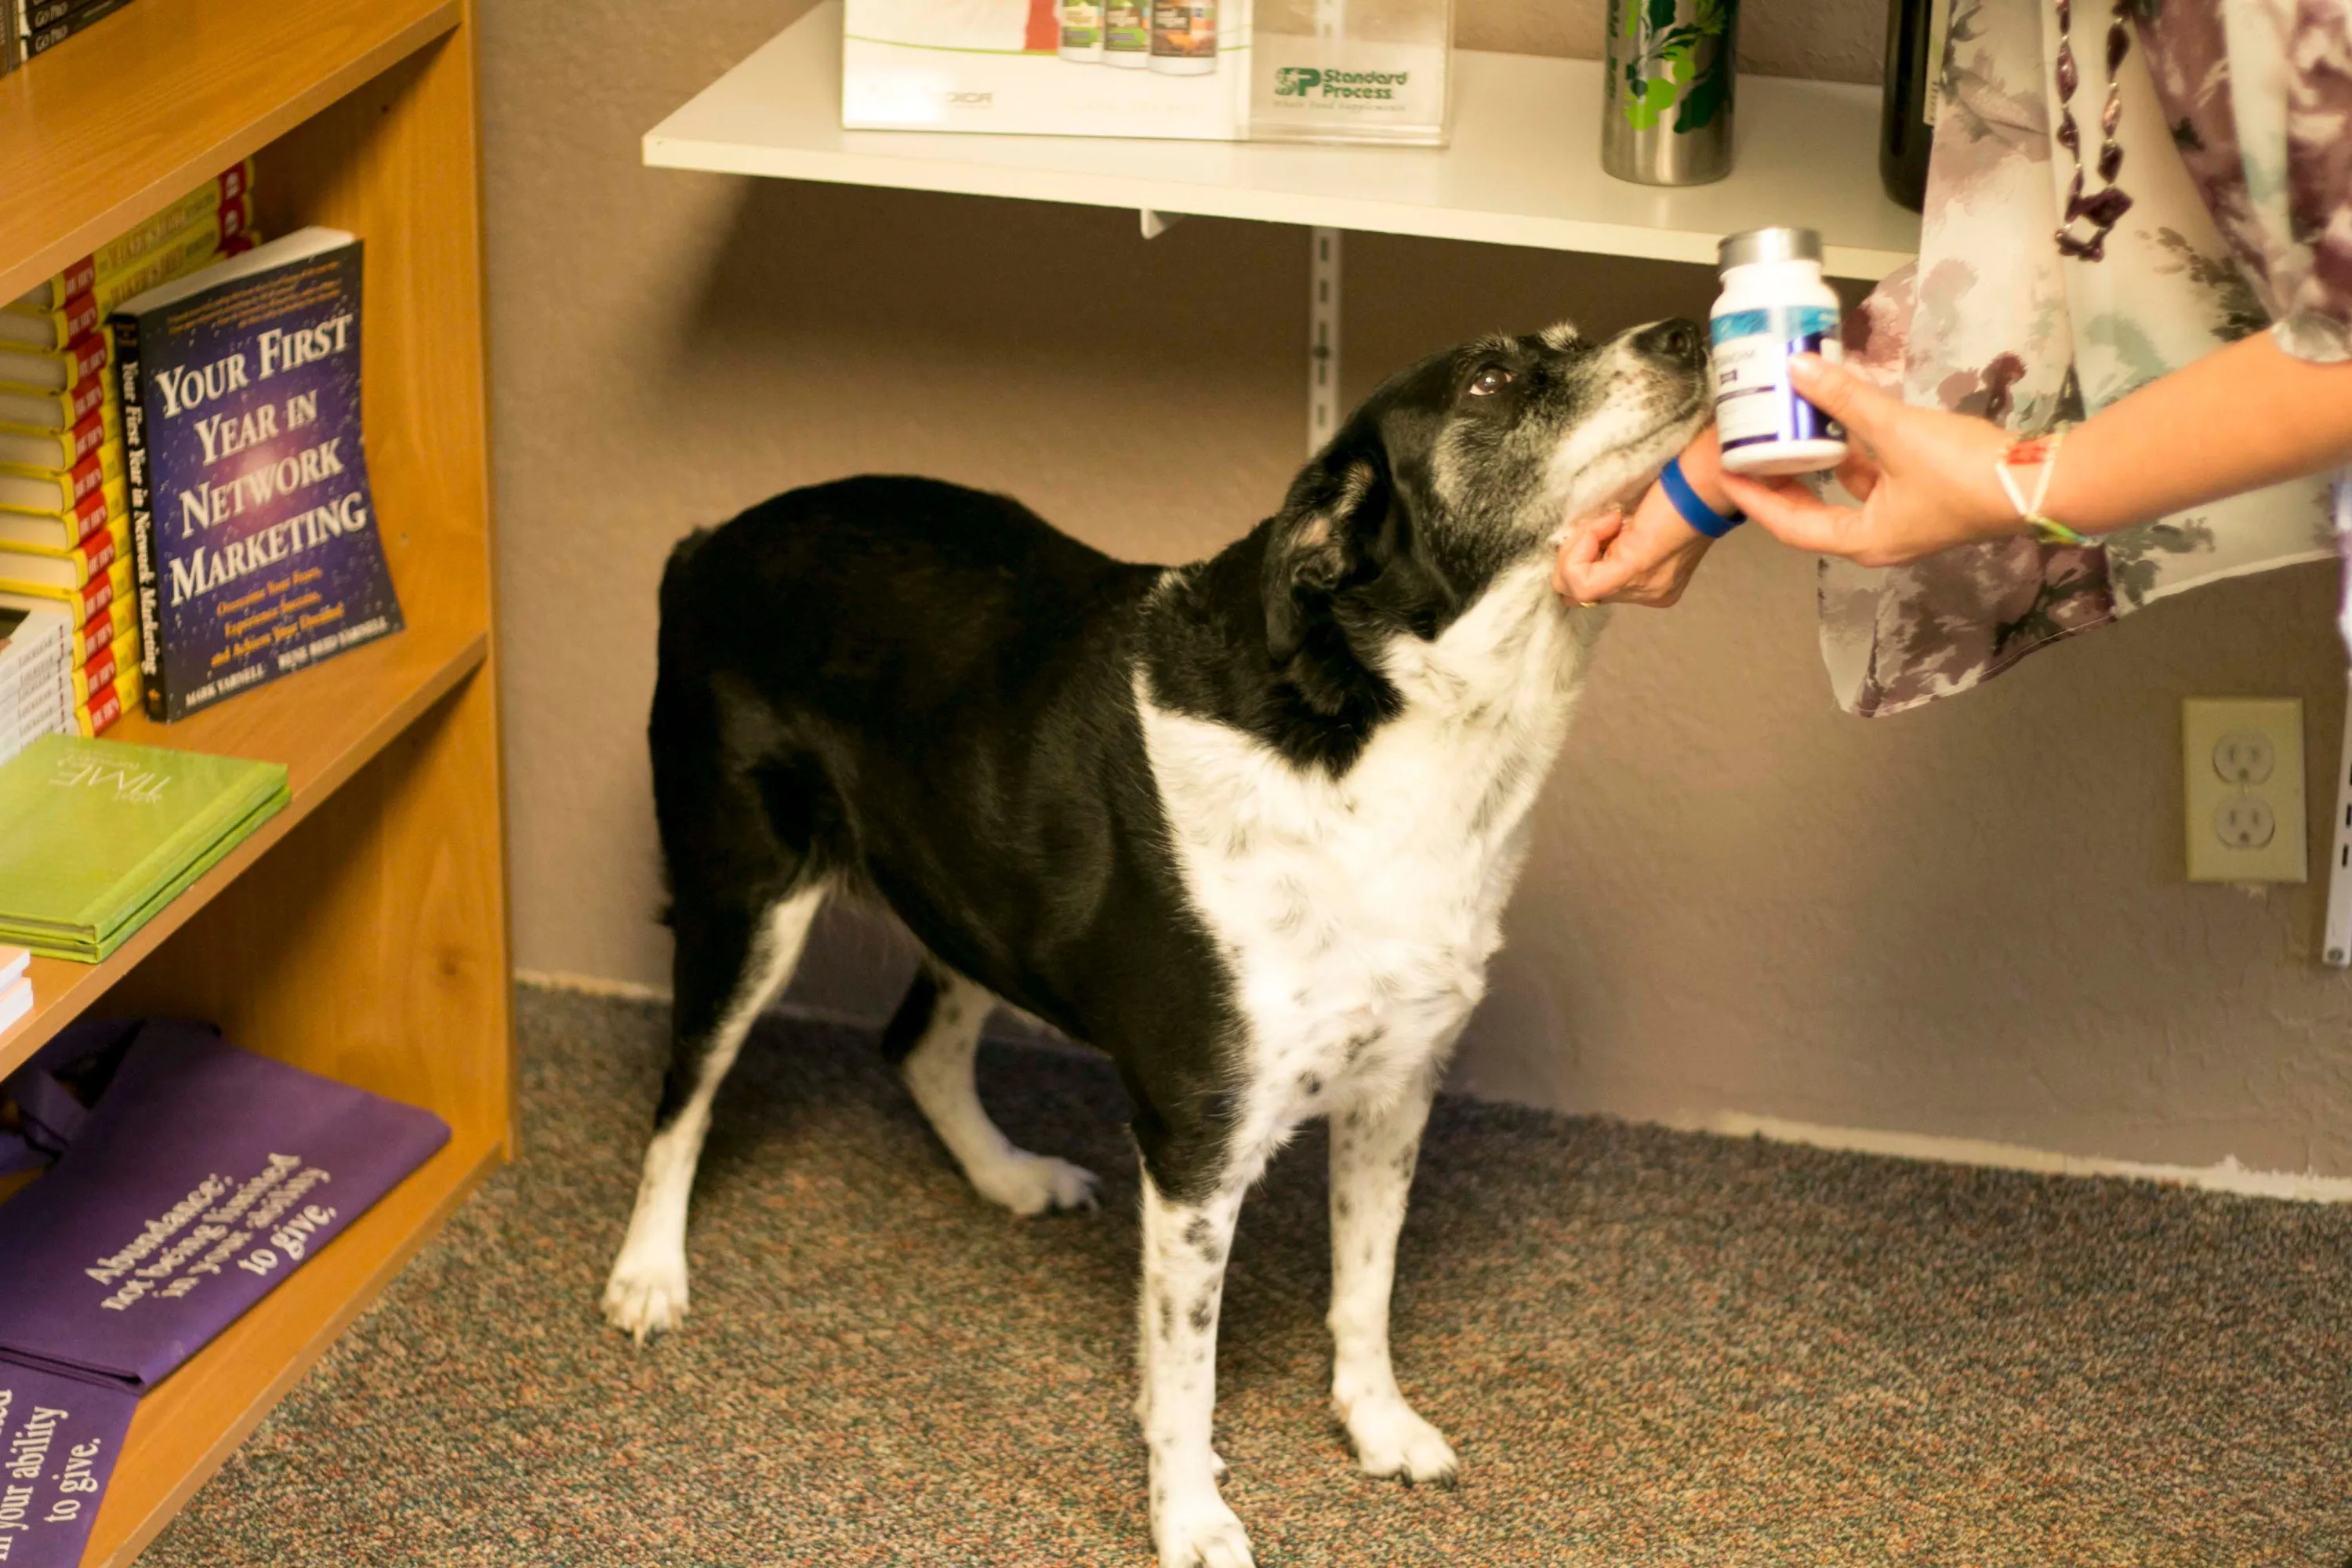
(1702, 465)
(1691, 506)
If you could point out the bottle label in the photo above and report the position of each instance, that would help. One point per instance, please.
(1753, 399)
(1081, 25)
(1127, 25)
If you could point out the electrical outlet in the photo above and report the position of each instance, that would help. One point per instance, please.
(2242, 762)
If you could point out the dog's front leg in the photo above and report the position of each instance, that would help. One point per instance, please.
(1184, 1251)
(1373, 1150)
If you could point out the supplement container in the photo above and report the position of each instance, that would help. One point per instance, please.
(1774, 304)
(1183, 37)
(1127, 34)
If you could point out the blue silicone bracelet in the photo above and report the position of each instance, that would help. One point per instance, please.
(1694, 507)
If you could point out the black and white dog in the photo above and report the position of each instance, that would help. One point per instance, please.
(1248, 825)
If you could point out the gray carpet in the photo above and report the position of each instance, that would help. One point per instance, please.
(1650, 1349)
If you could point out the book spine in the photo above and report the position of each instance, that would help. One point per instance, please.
(56, 33)
(124, 331)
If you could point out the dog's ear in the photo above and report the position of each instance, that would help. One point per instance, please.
(1349, 527)
(1317, 545)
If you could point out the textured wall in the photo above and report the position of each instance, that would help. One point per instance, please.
(1840, 40)
(1967, 921)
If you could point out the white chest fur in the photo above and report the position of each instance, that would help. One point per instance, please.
(1357, 914)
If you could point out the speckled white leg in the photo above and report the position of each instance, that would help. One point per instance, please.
(939, 1073)
(647, 1291)
(1373, 1150)
(1184, 1251)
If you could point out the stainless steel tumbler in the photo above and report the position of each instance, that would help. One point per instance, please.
(1666, 98)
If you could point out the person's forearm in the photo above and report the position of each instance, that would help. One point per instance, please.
(2248, 416)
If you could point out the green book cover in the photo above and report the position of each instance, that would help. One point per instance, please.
(96, 835)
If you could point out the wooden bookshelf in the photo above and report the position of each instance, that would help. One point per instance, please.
(361, 932)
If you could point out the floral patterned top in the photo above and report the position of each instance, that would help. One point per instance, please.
(2235, 131)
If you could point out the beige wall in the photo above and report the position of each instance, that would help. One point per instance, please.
(1967, 921)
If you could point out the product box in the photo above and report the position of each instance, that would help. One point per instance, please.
(1300, 70)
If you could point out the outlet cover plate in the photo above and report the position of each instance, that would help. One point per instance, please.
(2218, 734)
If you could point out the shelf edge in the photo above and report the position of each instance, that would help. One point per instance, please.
(1000, 181)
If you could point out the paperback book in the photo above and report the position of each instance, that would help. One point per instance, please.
(252, 525)
(102, 834)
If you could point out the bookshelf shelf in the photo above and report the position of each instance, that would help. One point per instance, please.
(1524, 167)
(361, 932)
(120, 120)
(324, 725)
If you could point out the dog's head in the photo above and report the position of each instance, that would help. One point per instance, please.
(1468, 463)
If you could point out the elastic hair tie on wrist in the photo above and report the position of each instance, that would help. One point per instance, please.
(1693, 506)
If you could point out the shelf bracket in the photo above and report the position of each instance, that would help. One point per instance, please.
(2337, 951)
(1322, 337)
(1156, 223)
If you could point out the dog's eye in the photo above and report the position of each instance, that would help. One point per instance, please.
(1489, 381)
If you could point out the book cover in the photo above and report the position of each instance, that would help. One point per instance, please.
(100, 833)
(203, 1177)
(252, 524)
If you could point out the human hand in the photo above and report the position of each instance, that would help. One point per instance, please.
(1648, 558)
(1926, 479)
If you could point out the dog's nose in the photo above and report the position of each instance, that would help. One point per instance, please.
(1678, 342)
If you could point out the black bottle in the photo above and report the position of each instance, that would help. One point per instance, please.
(1907, 125)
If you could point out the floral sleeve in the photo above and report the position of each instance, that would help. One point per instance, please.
(2258, 98)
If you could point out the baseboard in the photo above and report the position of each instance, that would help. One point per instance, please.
(591, 985)
(2229, 1176)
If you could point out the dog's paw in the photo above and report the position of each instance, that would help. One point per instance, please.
(1203, 1535)
(1391, 1440)
(645, 1296)
(1035, 1184)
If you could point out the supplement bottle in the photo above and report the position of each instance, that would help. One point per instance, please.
(1774, 304)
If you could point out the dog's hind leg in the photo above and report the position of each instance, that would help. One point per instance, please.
(1373, 1150)
(934, 1040)
(730, 965)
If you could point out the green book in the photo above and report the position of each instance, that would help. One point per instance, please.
(96, 836)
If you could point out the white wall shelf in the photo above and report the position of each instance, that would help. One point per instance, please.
(1524, 167)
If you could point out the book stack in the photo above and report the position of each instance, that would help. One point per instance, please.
(64, 522)
(36, 690)
(29, 27)
(102, 834)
